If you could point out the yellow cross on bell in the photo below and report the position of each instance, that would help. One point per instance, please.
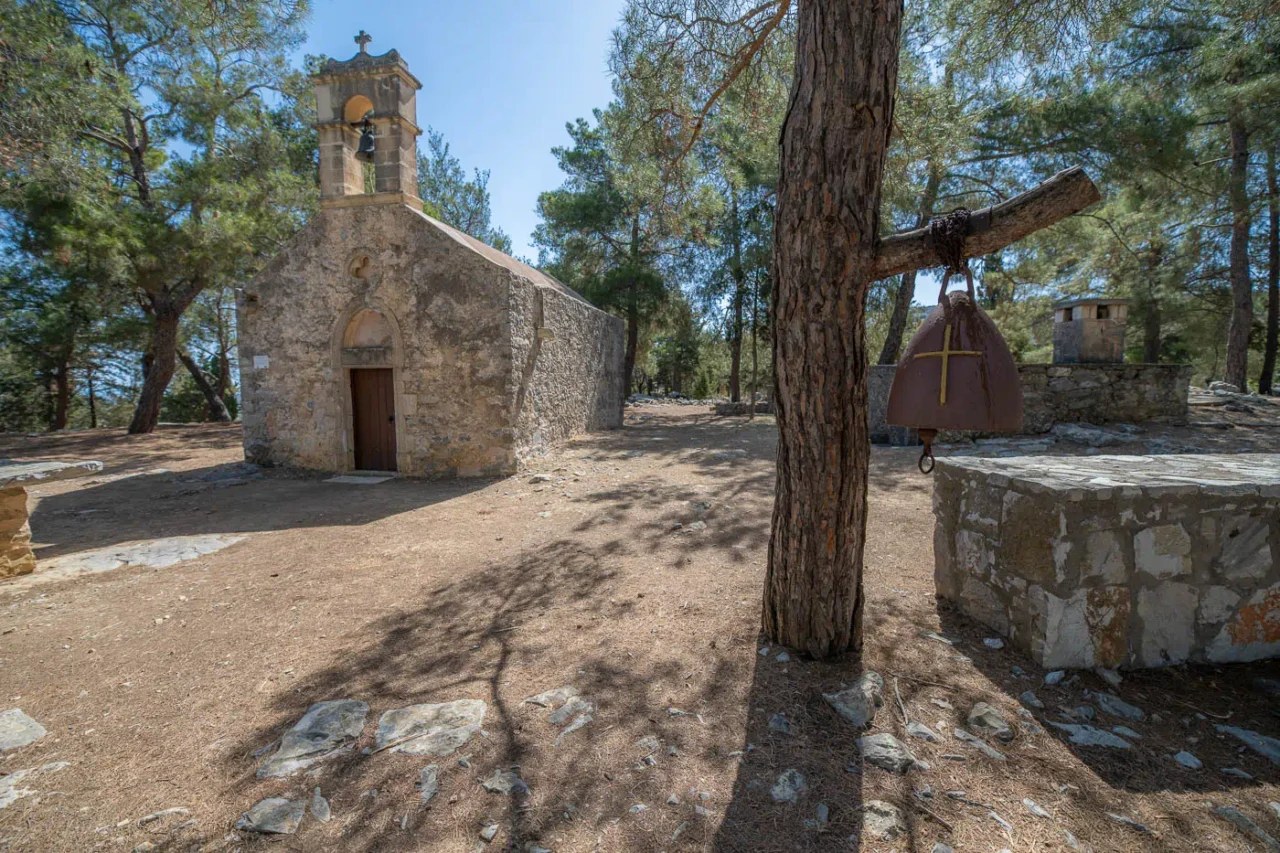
(945, 354)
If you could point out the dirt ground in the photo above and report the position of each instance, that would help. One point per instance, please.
(159, 685)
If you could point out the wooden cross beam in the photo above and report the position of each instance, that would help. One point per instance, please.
(992, 228)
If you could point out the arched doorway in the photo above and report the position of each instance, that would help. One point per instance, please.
(368, 346)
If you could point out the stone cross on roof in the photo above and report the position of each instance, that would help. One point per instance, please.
(363, 39)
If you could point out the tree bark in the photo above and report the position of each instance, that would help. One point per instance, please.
(833, 144)
(1237, 367)
(739, 285)
(93, 401)
(161, 363)
(907, 287)
(633, 341)
(1273, 276)
(62, 394)
(217, 408)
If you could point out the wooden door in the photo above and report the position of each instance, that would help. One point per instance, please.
(373, 409)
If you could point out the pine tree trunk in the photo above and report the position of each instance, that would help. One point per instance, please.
(1237, 368)
(1273, 276)
(1151, 332)
(62, 395)
(739, 284)
(633, 342)
(93, 401)
(162, 362)
(217, 408)
(898, 319)
(907, 288)
(833, 146)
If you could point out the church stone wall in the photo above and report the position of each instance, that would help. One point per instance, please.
(451, 361)
(569, 368)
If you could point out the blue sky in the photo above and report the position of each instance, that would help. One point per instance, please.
(499, 79)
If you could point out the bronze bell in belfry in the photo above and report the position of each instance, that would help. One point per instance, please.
(957, 373)
(364, 152)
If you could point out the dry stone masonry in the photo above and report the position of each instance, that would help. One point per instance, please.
(16, 556)
(1115, 561)
(1064, 394)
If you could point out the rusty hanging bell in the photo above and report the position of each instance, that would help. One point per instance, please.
(957, 373)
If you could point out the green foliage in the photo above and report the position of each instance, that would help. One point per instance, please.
(448, 195)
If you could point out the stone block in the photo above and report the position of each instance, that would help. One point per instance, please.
(1115, 561)
(16, 556)
(1163, 551)
(1167, 613)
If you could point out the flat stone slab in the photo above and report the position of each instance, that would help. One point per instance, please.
(273, 816)
(10, 785)
(30, 473)
(430, 729)
(154, 553)
(17, 729)
(1115, 561)
(328, 728)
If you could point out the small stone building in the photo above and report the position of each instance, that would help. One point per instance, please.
(1089, 330)
(381, 339)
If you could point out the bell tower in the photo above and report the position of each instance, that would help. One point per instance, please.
(366, 110)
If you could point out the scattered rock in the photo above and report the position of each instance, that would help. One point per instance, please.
(326, 729)
(921, 731)
(779, 723)
(9, 790)
(552, 698)
(1089, 736)
(649, 744)
(1036, 809)
(939, 847)
(783, 657)
(1240, 774)
(428, 782)
(505, 781)
(859, 703)
(993, 643)
(1029, 723)
(1004, 824)
(578, 722)
(1188, 760)
(1030, 699)
(489, 831)
(790, 785)
(1125, 731)
(886, 752)
(1117, 707)
(1109, 675)
(822, 813)
(1275, 807)
(1125, 820)
(978, 744)
(1055, 677)
(437, 730)
(933, 635)
(882, 821)
(673, 800)
(1243, 822)
(574, 706)
(17, 729)
(273, 816)
(162, 814)
(637, 808)
(320, 807)
(986, 720)
(943, 704)
(1085, 434)
(1267, 747)
(541, 478)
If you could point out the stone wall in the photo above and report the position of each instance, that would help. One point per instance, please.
(1070, 393)
(570, 378)
(1135, 561)
(468, 398)
(16, 557)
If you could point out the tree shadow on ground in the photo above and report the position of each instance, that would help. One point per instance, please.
(220, 499)
(1183, 705)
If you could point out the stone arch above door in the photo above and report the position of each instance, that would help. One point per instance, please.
(367, 335)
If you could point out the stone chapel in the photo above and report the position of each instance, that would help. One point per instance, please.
(380, 339)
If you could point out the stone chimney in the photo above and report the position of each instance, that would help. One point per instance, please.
(379, 91)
